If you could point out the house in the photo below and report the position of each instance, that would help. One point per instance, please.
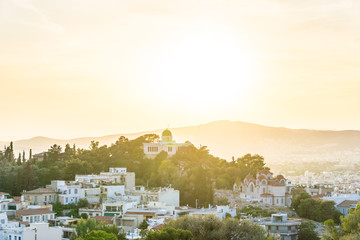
(112, 191)
(279, 223)
(115, 176)
(345, 206)
(220, 211)
(68, 192)
(35, 215)
(38, 231)
(169, 196)
(167, 144)
(40, 196)
(266, 189)
(111, 208)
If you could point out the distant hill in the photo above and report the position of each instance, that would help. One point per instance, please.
(226, 139)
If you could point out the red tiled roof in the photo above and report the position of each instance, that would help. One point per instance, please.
(33, 211)
(17, 198)
(279, 177)
(275, 183)
(158, 227)
(347, 203)
(249, 176)
(3, 193)
(141, 213)
(264, 171)
(318, 196)
(266, 195)
(261, 177)
(40, 191)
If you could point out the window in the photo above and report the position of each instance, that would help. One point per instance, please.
(277, 201)
(15, 237)
(289, 228)
(269, 228)
(277, 228)
(69, 191)
(169, 149)
(45, 198)
(66, 200)
(9, 237)
(76, 191)
(153, 149)
(49, 198)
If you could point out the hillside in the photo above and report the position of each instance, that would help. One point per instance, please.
(226, 139)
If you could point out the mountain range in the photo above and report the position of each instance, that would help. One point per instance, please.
(226, 139)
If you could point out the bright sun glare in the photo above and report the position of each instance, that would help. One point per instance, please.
(205, 68)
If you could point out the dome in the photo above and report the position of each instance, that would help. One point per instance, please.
(166, 133)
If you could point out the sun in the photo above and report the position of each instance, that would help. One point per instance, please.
(208, 69)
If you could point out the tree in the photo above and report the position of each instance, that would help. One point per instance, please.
(297, 199)
(332, 233)
(99, 235)
(19, 160)
(82, 203)
(169, 233)
(307, 231)
(143, 225)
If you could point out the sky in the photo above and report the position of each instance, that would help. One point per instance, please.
(76, 68)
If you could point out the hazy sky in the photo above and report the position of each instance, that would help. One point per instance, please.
(74, 68)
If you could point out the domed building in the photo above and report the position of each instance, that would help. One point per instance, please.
(266, 189)
(166, 144)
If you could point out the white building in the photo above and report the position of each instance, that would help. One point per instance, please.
(116, 208)
(169, 196)
(279, 223)
(35, 215)
(167, 144)
(219, 211)
(118, 176)
(91, 194)
(38, 231)
(266, 189)
(112, 191)
(68, 192)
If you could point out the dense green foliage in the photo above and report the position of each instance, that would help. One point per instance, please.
(349, 228)
(307, 231)
(71, 209)
(212, 228)
(191, 170)
(98, 235)
(169, 233)
(90, 229)
(255, 211)
(315, 209)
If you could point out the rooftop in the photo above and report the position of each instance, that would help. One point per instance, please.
(39, 191)
(33, 211)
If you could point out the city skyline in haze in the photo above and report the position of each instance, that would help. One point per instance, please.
(93, 68)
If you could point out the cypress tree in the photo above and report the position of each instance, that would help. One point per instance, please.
(23, 156)
(30, 154)
(19, 160)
